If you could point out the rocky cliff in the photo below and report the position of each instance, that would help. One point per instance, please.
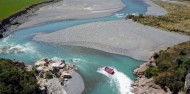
(144, 85)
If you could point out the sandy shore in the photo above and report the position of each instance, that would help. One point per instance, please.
(74, 9)
(121, 37)
(75, 85)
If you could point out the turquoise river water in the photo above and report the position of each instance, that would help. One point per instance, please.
(89, 61)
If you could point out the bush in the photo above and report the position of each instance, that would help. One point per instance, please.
(14, 80)
(164, 65)
(48, 75)
(150, 72)
(129, 16)
(141, 16)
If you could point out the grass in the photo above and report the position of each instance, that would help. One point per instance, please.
(177, 19)
(10, 7)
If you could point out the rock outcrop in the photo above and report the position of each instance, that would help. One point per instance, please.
(144, 85)
(54, 75)
(187, 83)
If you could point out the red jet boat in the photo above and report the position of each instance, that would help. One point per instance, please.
(109, 70)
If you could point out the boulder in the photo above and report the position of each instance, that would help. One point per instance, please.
(141, 69)
(147, 86)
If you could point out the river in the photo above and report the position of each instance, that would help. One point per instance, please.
(89, 61)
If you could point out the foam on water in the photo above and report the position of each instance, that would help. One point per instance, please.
(56, 58)
(122, 82)
(75, 59)
(27, 48)
(120, 15)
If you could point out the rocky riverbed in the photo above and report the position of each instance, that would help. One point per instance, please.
(120, 37)
(57, 77)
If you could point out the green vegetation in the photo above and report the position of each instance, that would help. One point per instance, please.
(150, 72)
(10, 7)
(173, 65)
(177, 19)
(14, 80)
(48, 75)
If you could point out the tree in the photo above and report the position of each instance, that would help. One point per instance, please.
(14, 80)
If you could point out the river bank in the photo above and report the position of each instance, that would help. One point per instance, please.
(151, 73)
(8, 25)
(146, 85)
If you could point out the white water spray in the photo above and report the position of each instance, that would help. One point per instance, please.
(122, 82)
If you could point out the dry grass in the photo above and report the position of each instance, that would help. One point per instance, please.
(177, 19)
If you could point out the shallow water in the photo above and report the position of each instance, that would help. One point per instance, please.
(89, 61)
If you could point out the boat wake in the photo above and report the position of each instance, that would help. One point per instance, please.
(122, 82)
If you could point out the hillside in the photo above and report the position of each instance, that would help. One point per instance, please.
(14, 79)
(171, 68)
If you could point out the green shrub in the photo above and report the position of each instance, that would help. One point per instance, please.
(14, 80)
(150, 72)
(164, 65)
(141, 16)
(48, 75)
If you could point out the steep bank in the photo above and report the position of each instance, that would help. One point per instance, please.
(167, 69)
(120, 37)
(167, 73)
(11, 23)
(146, 85)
